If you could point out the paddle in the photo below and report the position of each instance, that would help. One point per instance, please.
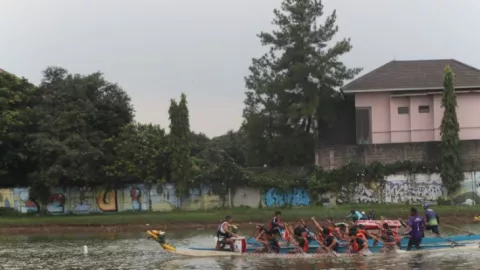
(458, 229)
(251, 235)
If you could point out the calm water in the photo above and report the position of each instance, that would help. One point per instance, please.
(134, 251)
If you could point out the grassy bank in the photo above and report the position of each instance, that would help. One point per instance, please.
(240, 215)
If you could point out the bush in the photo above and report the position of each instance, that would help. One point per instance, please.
(9, 212)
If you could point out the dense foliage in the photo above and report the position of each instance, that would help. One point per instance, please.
(451, 168)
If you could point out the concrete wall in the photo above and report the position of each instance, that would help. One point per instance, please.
(337, 156)
(398, 189)
(388, 126)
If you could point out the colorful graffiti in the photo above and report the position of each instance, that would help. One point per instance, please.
(135, 194)
(25, 205)
(107, 201)
(82, 207)
(56, 203)
(6, 196)
(297, 197)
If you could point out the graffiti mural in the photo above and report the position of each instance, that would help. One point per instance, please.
(469, 191)
(6, 196)
(297, 197)
(397, 189)
(107, 200)
(135, 194)
(82, 207)
(22, 201)
(56, 203)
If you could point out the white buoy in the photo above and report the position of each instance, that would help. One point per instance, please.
(85, 250)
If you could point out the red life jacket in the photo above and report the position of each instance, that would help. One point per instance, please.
(354, 244)
(395, 235)
(305, 242)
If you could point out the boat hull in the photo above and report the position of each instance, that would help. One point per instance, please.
(425, 241)
(341, 249)
(198, 252)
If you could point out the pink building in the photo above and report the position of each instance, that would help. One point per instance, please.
(401, 101)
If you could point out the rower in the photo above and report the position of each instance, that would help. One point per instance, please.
(330, 242)
(269, 241)
(304, 228)
(389, 237)
(432, 219)
(355, 215)
(299, 239)
(357, 244)
(415, 227)
(361, 230)
(224, 234)
(275, 226)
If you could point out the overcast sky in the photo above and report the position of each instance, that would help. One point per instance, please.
(157, 49)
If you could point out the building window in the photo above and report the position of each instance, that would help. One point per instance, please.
(424, 109)
(403, 110)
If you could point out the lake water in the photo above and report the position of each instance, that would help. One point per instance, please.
(134, 251)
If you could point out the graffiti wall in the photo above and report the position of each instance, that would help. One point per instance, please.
(397, 189)
(277, 198)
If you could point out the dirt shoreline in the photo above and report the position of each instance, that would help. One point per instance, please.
(130, 228)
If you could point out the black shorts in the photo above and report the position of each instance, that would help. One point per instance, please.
(433, 228)
(414, 242)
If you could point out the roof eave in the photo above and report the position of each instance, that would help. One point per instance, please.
(353, 91)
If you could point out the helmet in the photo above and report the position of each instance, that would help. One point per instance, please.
(426, 205)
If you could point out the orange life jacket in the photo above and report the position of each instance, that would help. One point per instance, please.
(362, 234)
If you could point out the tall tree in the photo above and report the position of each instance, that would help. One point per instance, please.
(180, 161)
(18, 97)
(291, 88)
(451, 167)
(76, 115)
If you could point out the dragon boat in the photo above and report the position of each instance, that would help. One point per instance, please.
(430, 241)
(241, 248)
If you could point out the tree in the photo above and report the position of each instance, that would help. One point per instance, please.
(17, 98)
(451, 167)
(233, 143)
(180, 161)
(140, 155)
(77, 114)
(140, 151)
(217, 169)
(291, 88)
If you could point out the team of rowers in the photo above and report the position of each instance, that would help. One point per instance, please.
(330, 235)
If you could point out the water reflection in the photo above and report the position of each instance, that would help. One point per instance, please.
(133, 251)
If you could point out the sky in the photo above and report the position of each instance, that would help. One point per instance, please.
(157, 49)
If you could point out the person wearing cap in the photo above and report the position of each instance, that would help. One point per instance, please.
(224, 234)
(432, 219)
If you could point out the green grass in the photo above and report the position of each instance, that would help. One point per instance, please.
(240, 215)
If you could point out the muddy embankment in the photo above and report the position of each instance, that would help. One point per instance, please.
(131, 228)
